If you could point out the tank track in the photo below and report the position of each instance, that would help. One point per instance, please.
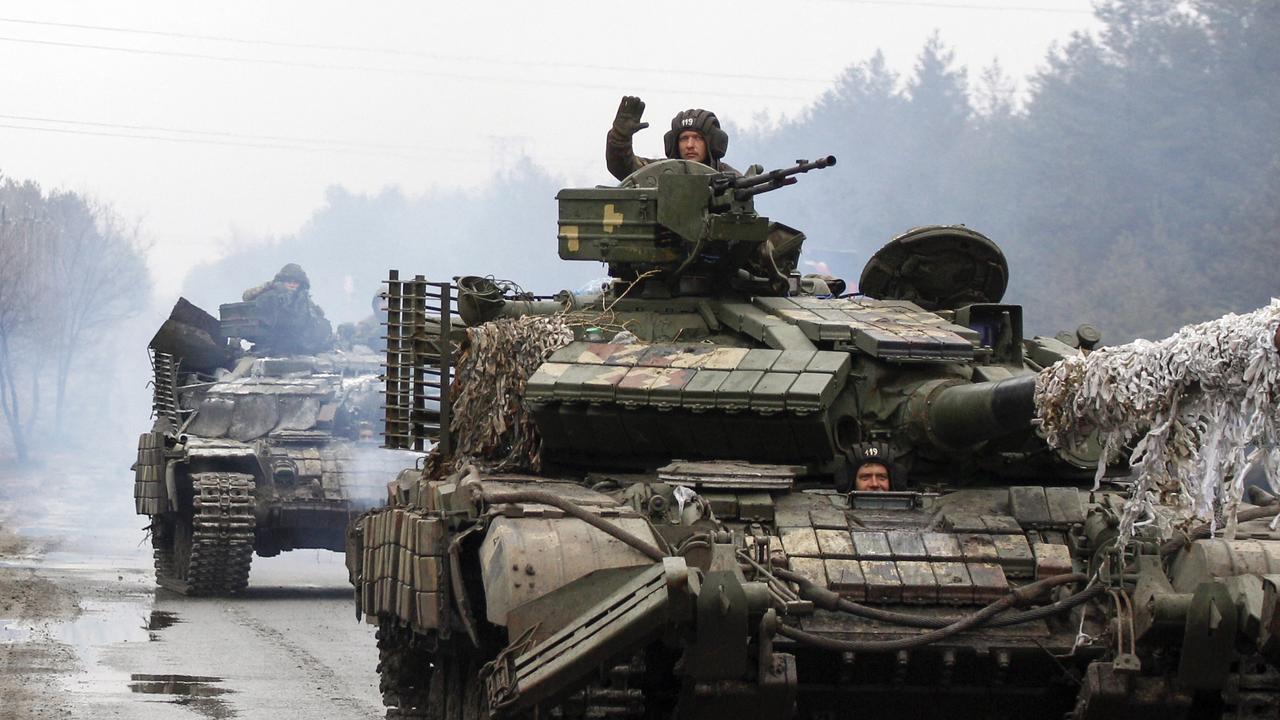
(221, 538)
(418, 684)
(404, 672)
(166, 568)
(455, 693)
(421, 684)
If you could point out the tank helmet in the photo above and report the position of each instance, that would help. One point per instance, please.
(875, 453)
(702, 121)
(293, 272)
(870, 453)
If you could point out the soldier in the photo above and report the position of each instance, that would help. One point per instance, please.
(292, 322)
(291, 277)
(871, 476)
(873, 472)
(695, 135)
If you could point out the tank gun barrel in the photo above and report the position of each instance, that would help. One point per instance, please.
(747, 187)
(959, 416)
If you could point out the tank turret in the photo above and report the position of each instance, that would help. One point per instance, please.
(727, 347)
(253, 452)
(680, 224)
(646, 501)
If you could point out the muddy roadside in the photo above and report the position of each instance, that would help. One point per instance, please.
(44, 512)
(31, 658)
(85, 633)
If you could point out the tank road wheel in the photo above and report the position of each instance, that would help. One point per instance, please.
(210, 553)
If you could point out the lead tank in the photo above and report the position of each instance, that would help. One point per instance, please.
(654, 514)
(253, 451)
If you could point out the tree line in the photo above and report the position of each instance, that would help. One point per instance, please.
(1132, 185)
(72, 271)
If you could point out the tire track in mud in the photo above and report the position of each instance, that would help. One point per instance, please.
(315, 669)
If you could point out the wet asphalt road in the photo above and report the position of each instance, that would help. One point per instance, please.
(290, 647)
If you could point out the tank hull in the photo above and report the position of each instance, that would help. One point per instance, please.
(253, 455)
(668, 500)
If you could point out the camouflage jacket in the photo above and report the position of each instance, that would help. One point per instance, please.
(256, 290)
(622, 161)
(294, 324)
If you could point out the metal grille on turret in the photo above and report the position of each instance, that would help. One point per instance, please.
(164, 387)
(419, 363)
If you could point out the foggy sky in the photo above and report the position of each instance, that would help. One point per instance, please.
(241, 136)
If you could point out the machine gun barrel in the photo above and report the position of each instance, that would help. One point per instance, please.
(746, 187)
(961, 416)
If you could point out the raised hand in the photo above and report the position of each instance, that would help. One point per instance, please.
(627, 122)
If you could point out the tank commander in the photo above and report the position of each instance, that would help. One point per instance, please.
(872, 473)
(695, 135)
(292, 323)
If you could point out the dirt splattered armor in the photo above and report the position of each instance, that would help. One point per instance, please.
(637, 501)
(264, 451)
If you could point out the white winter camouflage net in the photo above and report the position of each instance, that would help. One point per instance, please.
(1203, 406)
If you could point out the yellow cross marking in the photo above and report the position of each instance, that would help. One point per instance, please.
(570, 233)
(612, 218)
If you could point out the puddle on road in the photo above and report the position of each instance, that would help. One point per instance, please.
(104, 623)
(11, 632)
(190, 685)
(196, 692)
(101, 626)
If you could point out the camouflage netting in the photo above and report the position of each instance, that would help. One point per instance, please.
(1203, 406)
(491, 428)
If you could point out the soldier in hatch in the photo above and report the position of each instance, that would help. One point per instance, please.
(293, 323)
(871, 476)
(873, 472)
(695, 135)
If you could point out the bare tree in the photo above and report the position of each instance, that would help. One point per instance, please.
(99, 279)
(70, 271)
(21, 221)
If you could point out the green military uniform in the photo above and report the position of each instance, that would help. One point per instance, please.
(293, 324)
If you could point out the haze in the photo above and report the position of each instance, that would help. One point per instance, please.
(1125, 158)
(221, 143)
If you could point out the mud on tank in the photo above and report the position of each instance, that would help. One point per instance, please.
(656, 519)
(253, 451)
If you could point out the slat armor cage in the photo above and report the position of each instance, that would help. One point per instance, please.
(164, 387)
(419, 364)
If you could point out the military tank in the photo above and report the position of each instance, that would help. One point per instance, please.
(659, 515)
(252, 451)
